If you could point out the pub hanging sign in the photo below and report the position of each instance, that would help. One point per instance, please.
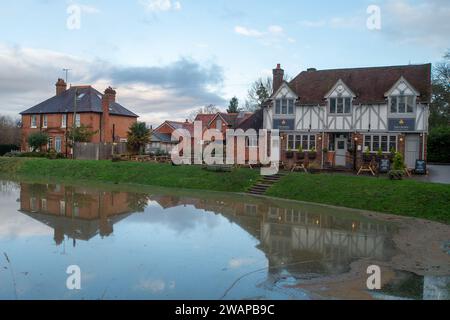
(402, 125)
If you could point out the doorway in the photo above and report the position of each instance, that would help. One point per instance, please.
(412, 150)
(341, 151)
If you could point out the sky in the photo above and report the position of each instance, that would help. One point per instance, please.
(167, 58)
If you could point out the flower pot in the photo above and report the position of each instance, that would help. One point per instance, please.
(289, 155)
(312, 155)
(300, 155)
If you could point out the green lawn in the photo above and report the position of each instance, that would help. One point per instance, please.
(407, 197)
(190, 177)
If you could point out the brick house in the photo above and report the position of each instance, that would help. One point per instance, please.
(55, 116)
(162, 135)
(371, 110)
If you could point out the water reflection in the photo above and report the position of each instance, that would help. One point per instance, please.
(213, 238)
(288, 236)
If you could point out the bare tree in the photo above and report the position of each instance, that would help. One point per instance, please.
(259, 92)
(9, 131)
(209, 109)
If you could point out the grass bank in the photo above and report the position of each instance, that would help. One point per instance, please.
(407, 198)
(185, 177)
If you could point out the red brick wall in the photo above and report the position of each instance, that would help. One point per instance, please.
(92, 120)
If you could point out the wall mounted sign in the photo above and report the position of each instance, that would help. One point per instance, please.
(402, 125)
(284, 124)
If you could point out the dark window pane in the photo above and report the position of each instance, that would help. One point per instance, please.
(291, 106)
(368, 143)
(290, 142)
(376, 143)
(340, 105)
(392, 143)
(384, 143)
(305, 142)
(298, 140)
(410, 106)
(348, 105)
(333, 105)
(312, 142)
(394, 105)
(284, 106)
(278, 107)
(402, 105)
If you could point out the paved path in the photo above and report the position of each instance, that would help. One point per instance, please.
(439, 174)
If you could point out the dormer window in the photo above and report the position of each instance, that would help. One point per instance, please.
(402, 104)
(284, 106)
(340, 105)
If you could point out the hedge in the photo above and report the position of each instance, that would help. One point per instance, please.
(439, 145)
(5, 148)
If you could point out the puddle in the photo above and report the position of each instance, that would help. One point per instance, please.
(174, 244)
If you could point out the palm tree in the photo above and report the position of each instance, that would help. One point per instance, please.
(138, 136)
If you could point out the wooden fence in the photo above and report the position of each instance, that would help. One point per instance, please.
(98, 151)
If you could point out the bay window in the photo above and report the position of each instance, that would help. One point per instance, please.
(402, 104)
(385, 143)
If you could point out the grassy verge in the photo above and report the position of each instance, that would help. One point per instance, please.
(409, 198)
(189, 177)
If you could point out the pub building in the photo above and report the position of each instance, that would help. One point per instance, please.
(327, 115)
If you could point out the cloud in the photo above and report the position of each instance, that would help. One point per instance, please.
(272, 36)
(160, 5)
(156, 93)
(417, 22)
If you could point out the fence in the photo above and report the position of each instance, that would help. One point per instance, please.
(98, 151)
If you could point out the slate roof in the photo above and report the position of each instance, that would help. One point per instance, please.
(90, 100)
(369, 84)
(255, 121)
(161, 137)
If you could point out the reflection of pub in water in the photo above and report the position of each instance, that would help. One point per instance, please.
(324, 240)
(301, 238)
(78, 213)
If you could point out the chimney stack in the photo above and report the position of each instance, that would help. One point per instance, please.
(278, 76)
(61, 87)
(109, 97)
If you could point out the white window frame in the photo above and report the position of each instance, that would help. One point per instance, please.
(77, 120)
(290, 107)
(343, 113)
(298, 139)
(33, 123)
(398, 102)
(50, 143)
(252, 141)
(380, 137)
(44, 205)
(58, 149)
(44, 121)
(64, 121)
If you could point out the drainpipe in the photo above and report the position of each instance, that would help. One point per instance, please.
(323, 145)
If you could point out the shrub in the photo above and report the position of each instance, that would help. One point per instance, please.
(439, 145)
(399, 163)
(37, 140)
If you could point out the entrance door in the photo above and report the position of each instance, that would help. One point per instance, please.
(58, 144)
(341, 152)
(412, 150)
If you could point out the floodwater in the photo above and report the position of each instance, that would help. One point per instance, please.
(174, 244)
